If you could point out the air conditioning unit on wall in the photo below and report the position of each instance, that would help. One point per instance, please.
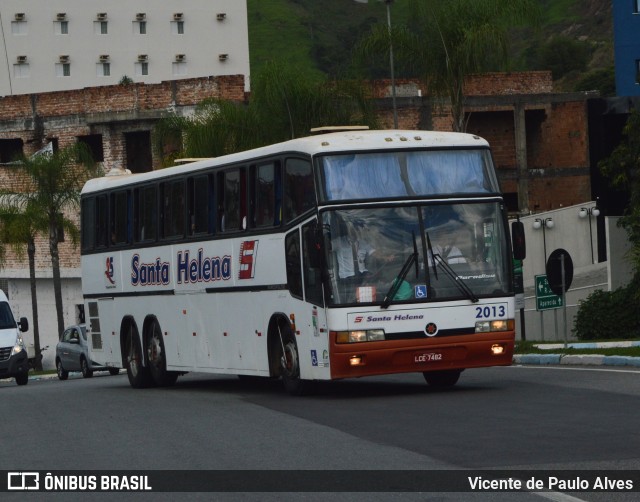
(223, 57)
(221, 16)
(101, 16)
(180, 58)
(20, 16)
(143, 58)
(64, 58)
(61, 16)
(21, 59)
(104, 58)
(178, 16)
(141, 16)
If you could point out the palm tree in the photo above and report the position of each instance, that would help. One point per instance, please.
(17, 229)
(448, 41)
(46, 186)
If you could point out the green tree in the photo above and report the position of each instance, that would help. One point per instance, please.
(448, 41)
(19, 229)
(622, 167)
(563, 55)
(285, 104)
(46, 186)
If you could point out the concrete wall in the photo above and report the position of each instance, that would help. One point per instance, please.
(38, 38)
(570, 232)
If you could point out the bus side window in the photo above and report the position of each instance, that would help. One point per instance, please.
(119, 218)
(299, 193)
(265, 196)
(173, 209)
(88, 225)
(198, 203)
(232, 208)
(146, 210)
(292, 257)
(102, 218)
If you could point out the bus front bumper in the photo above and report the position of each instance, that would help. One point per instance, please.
(420, 355)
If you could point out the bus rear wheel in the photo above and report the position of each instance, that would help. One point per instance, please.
(156, 356)
(442, 379)
(138, 374)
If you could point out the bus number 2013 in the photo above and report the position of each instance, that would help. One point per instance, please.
(490, 311)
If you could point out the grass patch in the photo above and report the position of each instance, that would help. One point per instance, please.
(528, 347)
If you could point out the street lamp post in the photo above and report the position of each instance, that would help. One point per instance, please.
(393, 79)
(539, 223)
(543, 224)
(588, 212)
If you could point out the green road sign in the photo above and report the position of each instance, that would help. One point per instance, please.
(545, 298)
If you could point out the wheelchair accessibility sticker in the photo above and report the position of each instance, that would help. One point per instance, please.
(421, 291)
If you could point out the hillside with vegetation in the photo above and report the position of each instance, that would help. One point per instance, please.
(574, 40)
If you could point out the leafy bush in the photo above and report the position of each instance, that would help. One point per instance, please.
(609, 314)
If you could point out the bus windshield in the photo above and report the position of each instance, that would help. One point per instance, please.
(460, 253)
(407, 173)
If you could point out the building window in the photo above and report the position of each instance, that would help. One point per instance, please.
(63, 69)
(21, 70)
(177, 27)
(61, 27)
(638, 70)
(636, 6)
(19, 27)
(103, 69)
(101, 27)
(179, 68)
(142, 68)
(142, 27)
(94, 143)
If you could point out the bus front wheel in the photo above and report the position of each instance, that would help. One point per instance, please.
(442, 379)
(290, 362)
(157, 358)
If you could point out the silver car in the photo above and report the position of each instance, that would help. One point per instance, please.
(72, 354)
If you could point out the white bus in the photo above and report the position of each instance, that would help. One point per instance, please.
(335, 256)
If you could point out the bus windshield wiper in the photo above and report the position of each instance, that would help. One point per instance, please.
(461, 285)
(433, 260)
(388, 298)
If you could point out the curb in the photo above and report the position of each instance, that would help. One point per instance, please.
(576, 360)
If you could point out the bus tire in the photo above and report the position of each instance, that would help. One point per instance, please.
(290, 363)
(156, 356)
(442, 379)
(139, 376)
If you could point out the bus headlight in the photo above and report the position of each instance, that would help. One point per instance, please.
(369, 335)
(497, 325)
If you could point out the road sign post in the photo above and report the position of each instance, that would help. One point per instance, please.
(545, 298)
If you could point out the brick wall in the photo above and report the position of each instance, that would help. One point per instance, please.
(486, 84)
(134, 98)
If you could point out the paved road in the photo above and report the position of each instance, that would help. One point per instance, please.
(524, 418)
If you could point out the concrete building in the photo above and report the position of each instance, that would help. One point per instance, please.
(61, 45)
(626, 26)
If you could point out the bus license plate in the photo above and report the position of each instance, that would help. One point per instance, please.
(427, 357)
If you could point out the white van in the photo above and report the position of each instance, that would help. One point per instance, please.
(14, 361)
